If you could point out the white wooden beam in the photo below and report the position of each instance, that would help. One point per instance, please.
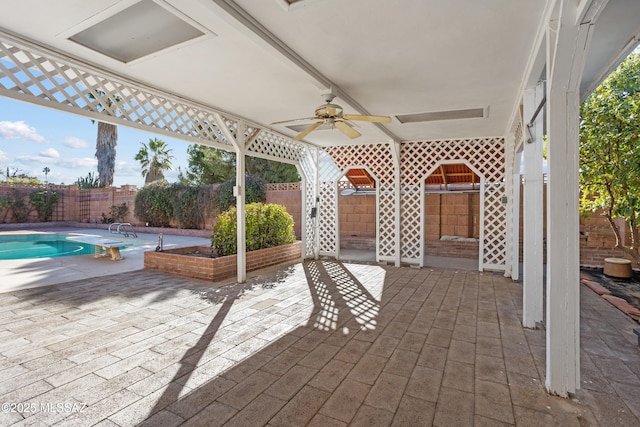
(563, 293)
(532, 304)
(238, 143)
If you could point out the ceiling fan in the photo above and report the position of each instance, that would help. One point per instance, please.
(333, 115)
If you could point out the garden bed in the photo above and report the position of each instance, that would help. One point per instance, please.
(196, 261)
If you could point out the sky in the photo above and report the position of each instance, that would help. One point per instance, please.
(34, 137)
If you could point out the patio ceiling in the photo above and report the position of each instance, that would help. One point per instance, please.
(266, 61)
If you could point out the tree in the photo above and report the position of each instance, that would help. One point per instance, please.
(154, 158)
(46, 171)
(610, 152)
(106, 142)
(208, 165)
(106, 152)
(272, 171)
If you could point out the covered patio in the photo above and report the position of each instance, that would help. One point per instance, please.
(472, 83)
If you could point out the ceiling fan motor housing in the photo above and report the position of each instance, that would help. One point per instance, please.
(327, 111)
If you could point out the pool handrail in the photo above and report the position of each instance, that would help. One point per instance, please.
(124, 228)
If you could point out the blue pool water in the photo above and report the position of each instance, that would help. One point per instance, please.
(41, 246)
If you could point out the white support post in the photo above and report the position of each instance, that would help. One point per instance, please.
(515, 245)
(395, 151)
(565, 63)
(316, 201)
(241, 215)
(532, 295)
(508, 171)
(238, 191)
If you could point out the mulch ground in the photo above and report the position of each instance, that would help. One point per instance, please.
(627, 289)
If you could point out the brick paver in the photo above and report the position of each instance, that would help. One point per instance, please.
(316, 343)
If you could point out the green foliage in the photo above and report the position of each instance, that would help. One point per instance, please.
(208, 165)
(267, 225)
(20, 208)
(610, 150)
(87, 182)
(43, 202)
(191, 204)
(272, 171)
(117, 213)
(158, 203)
(6, 202)
(254, 191)
(153, 204)
(154, 158)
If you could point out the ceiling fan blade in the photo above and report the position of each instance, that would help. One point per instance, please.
(307, 131)
(295, 120)
(347, 130)
(378, 119)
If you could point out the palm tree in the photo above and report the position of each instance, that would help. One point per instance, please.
(154, 159)
(106, 152)
(106, 142)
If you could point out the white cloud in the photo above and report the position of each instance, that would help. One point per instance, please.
(51, 153)
(33, 159)
(78, 163)
(19, 130)
(3, 157)
(128, 168)
(74, 142)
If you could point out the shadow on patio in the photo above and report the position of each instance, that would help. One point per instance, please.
(319, 343)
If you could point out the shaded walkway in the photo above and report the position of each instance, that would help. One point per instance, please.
(318, 343)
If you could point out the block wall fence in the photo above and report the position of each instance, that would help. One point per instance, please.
(446, 214)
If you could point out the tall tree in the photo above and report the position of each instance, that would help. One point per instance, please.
(154, 158)
(610, 152)
(106, 140)
(208, 165)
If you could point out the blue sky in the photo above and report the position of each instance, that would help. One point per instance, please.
(34, 137)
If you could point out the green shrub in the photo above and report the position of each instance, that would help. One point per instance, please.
(89, 181)
(153, 204)
(254, 191)
(191, 204)
(19, 206)
(117, 213)
(43, 202)
(267, 225)
(5, 206)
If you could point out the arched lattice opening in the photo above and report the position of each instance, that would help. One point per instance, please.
(451, 204)
(357, 213)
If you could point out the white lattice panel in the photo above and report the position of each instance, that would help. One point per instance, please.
(308, 170)
(487, 157)
(378, 158)
(270, 145)
(327, 218)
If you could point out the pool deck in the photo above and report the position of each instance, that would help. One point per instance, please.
(30, 273)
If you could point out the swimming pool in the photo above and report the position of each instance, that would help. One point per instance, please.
(41, 246)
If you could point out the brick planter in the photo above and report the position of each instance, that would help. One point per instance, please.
(174, 261)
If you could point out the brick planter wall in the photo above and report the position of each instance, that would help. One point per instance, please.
(174, 261)
(450, 248)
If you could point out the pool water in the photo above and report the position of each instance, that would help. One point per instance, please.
(41, 246)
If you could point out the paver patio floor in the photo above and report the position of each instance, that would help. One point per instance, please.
(316, 343)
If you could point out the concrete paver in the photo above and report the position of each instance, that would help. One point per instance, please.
(315, 343)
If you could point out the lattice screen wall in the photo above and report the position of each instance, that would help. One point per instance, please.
(486, 156)
(378, 158)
